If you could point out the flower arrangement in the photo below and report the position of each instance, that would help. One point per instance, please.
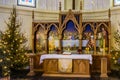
(58, 50)
(79, 51)
(115, 60)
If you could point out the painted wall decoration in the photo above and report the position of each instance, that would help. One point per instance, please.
(102, 39)
(53, 41)
(28, 3)
(40, 40)
(70, 40)
(88, 39)
(116, 3)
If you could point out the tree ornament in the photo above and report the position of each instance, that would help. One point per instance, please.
(21, 40)
(5, 74)
(16, 33)
(1, 60)
(5, 67)
(9, 36)
(11, 48)
(4, 51)
(7, 59)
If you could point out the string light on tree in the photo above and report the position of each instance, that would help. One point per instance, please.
(12, 46)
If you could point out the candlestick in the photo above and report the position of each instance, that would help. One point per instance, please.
(87, 50)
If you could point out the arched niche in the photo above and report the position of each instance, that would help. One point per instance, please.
(39, 40)
(53, 39)
(102, 43)
(70, 40)
(88, 38)
(87, 32)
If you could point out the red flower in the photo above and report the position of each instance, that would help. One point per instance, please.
(79, 51)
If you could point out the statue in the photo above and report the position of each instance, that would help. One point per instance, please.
(90, 44)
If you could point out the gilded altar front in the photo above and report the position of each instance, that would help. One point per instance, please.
(70, 66)
(78, 68)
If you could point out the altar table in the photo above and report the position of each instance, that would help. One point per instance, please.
(79, 65)
(61, 56)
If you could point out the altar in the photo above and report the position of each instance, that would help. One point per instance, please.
(75, 32)
(74, 65)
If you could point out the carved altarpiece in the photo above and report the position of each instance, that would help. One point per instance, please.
(70, 33)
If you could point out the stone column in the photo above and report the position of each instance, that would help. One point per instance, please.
(80, 41)
(33, 45)
(46, 44)
(109, 40)
(95, 44)
(60, 43)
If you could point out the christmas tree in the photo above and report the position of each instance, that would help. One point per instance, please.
(115, 54)
(12, 45)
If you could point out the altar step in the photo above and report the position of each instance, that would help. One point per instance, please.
(65, 75)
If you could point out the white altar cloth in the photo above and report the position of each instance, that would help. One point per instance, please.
(61, 56)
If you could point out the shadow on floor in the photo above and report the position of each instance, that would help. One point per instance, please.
(22, 75)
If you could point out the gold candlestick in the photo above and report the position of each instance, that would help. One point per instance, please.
(87, 50)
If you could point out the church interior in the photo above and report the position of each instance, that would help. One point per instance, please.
(59, 39)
